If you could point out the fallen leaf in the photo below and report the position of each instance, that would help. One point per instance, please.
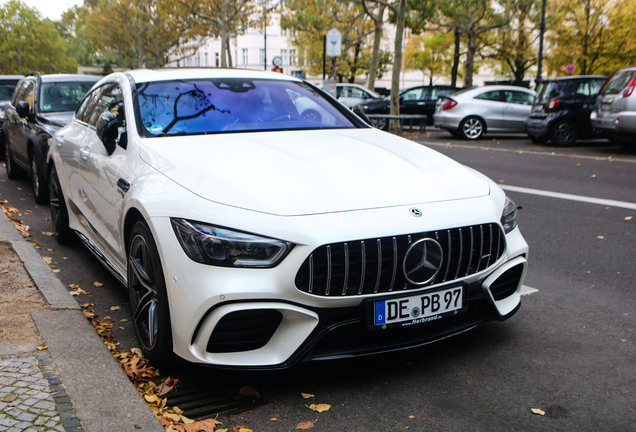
(628, 218)
(86, 305)
(42, 347)
(98, 284)
(411, 416)
(320, 407)
(537, 411)
(5, 271)
(600, 237)
(48, 260)
(273, 419)
(114, 308)
(48, 233)
(593, 176)
(56, 270)
(78, 291)
(241, 429)
(307, 395)
(202, 425)
(305, 425)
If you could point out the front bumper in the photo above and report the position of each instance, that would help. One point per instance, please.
(258, 318)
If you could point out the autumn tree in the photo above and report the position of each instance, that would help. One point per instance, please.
(583, 35)
(227, 18)
(144, 33)
(431, 53)
(30, 43)
(310, 20)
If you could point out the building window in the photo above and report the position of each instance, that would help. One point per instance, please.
(284, 58)
(207, 59)
(217, 60)
(262, 56)
(292, 56)
(244, 55)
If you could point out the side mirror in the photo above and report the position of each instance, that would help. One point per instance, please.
(22, 108)
(108, 131)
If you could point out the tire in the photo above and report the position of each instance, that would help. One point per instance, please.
(311, 115)
(38, 182)
(14, 172)
(148, 297)
(538, 139)
(59, 213)
(380, 123)
(563, 133)
(2, 150)
(472, 128)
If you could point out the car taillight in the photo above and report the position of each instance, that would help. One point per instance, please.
(448, 105)
(629, 88)
(553, 104)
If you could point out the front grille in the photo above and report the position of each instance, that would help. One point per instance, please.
(372, 266)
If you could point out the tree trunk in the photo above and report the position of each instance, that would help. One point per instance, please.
(375, 53)
(397, 65)
(455, 67)
(470, 59)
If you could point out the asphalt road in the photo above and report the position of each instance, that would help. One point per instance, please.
(569, 351)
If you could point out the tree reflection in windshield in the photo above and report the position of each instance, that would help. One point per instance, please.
(229, 105)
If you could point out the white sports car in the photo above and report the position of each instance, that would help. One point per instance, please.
(251, 236)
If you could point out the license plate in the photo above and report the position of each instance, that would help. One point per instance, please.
(417, 309)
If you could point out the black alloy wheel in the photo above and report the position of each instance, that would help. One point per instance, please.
(14, 172)
(59, 214)
(472, 128)
(148, 297)
(38, 182)
(563, 133)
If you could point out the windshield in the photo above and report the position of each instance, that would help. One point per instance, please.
(6, 90)
(62, 96)
(204, 106)
(575, 88)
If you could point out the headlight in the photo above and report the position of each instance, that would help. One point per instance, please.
(509, 216)
(209, 244)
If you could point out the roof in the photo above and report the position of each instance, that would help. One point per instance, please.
(69, 77)
(148, 75)
(574, 77)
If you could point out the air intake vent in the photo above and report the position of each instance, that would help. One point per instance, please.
(244, 330)
(507, 283)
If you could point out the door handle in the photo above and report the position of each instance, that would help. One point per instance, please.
(84, 152)
(59, 141)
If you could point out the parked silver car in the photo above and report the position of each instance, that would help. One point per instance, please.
(615, 110)
(470, 113)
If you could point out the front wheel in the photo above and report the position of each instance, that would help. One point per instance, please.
(59, 214)
(563, 133)
(148, 297)
(472, 128)
(38, 182)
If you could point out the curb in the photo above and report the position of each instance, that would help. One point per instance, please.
(102, 395)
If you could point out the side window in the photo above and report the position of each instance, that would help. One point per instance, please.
(518, 97)
(490, 96)
(439, 92)
(26, 92)
(413, 95)
(85, 107)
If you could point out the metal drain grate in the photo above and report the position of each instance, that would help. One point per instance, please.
(203, 396)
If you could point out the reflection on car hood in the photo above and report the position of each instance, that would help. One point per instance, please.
(58, 119)
(309, 172)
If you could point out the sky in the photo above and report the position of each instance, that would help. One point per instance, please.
(51, 9)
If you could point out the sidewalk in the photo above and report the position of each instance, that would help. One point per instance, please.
(74, 384)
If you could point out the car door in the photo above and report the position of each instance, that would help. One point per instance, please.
(517, 109)
(19, 128)
(413, 101)
(99, 183)
(490, 106)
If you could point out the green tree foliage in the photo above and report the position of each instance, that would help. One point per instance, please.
(431, 53)
(310, 20)
(581, 34)
(142, 33)
(30, 43)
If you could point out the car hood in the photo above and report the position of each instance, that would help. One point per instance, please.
(310, 172)
(58, 119)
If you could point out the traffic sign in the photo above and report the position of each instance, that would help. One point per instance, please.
(334, 43)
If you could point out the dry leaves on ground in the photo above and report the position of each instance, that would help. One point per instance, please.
(320, 407)
(305, 425)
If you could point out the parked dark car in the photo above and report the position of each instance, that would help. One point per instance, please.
(41, 105)
(561, 111)
(7, 86)
(418, 100)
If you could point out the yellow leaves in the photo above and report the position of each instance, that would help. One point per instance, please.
(98, 284)
(77, 290)
(114, 308)
(12, 213)
(600, 237)
(48, 233)
(241, 429)
(628, 218)
(307, 395)
(320, 407)
(42, 347)
(305, 425)
(47, 259)
(538, 411)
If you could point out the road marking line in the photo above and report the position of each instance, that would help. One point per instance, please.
(581, 198)
(526, 290)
